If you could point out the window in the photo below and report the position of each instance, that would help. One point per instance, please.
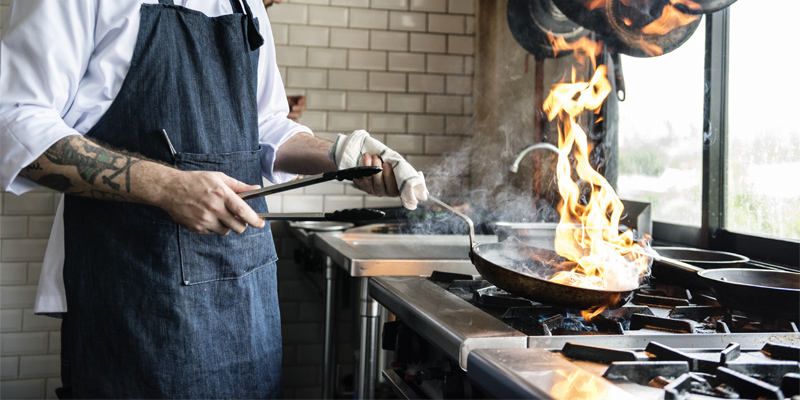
(660, 132)
(762, 195)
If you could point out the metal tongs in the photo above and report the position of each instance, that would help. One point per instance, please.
(342, 215)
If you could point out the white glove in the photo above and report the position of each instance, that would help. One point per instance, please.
(347, 150)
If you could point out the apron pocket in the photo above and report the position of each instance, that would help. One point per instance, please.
(208, 258)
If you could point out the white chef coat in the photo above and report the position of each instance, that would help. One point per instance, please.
(63, 62)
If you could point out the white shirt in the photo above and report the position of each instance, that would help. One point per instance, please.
(63, 62)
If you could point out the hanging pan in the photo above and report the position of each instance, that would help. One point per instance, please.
(532, 21)
(627, 26)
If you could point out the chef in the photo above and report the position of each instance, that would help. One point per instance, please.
(151, 116)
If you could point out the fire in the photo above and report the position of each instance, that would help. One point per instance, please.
(588, 231)
(670, 19)
(577, 385)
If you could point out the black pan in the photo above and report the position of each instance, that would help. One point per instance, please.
(708, 259)
(531, 21)
(759, 291)
(621, 24)
(503, 264)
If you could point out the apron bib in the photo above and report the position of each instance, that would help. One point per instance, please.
(156, 311)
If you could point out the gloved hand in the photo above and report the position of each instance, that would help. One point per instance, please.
(347, 150)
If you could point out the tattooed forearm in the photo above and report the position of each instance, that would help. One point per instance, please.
(76, 165)
(93, 161)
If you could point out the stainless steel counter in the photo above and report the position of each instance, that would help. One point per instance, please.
(363, 255)
(455, 326)
(372, 254)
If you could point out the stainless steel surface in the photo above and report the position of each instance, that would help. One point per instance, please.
(366, 254)
(455, 326)
(368, 343)
(538, 374)
(328, 354)
(363, 255)
(459, 327)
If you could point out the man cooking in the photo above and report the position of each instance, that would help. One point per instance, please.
(152, 118)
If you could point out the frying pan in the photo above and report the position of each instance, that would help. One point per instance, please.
(507, 266)
(621, 26)
(530, 21)
(759, 291)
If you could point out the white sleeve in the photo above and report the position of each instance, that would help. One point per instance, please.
(44, 51)
(274, 127)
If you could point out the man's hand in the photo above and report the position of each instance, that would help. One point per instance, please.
(207, 202)
(381, 184)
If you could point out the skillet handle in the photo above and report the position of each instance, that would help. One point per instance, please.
(460, 215)
(668, 270)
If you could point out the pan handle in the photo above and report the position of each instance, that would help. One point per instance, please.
(673, 271)
(460, 215)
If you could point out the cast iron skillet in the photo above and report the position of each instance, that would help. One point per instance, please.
(499, 264)
(759, 291)
(622, 25)
(530, 21)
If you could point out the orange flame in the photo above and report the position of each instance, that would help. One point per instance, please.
(670, 19)
(584, 48)
(594, 4)
(588, 231)
(578, 385)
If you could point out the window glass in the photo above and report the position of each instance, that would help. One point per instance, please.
(660, 132)
(763, 187)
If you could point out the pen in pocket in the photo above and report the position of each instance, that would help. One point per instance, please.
(166, 137)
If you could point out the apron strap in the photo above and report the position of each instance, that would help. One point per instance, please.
(166, 2)
(254, 38)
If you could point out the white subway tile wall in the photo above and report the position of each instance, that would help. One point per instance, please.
(401, 69)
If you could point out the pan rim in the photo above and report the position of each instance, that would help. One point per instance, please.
(546, 281)
(756, 270)
(736, 258)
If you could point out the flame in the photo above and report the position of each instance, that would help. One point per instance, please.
(588, 231)
(594, 4)
(583, 48)
(670, 19)
(579, 385)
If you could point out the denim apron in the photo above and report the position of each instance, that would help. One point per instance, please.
(156, 311)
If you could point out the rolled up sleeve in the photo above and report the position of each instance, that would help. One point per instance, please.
(273, 125)
(44, 51)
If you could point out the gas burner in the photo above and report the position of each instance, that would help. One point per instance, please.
(730, 373)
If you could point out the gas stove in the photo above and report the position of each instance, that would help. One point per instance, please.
(458, 336)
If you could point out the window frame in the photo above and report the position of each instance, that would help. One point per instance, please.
(712, 233)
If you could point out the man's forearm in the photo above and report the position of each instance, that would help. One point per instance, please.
(79, 166)
(201, 201)
(304, 154)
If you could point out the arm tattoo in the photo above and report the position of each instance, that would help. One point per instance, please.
(92, 162)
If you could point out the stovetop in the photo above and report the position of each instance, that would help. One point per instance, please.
(484, 329)
(655, 308)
